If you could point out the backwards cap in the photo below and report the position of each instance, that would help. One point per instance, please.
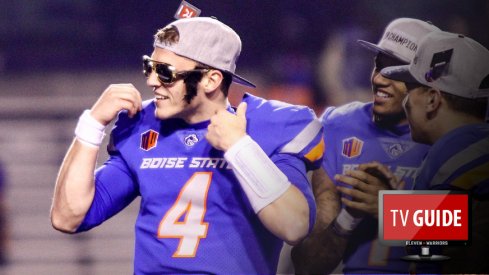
(208, 41)
(449, 62)
(401, 38)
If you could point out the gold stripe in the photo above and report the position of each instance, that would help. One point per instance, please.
(316, 152)
(472, 177)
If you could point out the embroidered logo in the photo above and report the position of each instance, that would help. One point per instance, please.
(396, 148)
(191, 139)
(149, 140)
(352, 147)
(439, 64)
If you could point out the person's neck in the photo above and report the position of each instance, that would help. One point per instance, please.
(205, 110)
(450, 121)
(390, 121)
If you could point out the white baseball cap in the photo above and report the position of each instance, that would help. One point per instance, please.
(449, 62)
(401, 38)
(208, 41)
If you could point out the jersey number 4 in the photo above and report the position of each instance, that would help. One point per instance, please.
(185, 219)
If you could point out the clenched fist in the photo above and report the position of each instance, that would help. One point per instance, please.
(226, 129)
(115, 98)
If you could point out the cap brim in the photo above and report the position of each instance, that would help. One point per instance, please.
(399, 73)
(240, 80)
(374, 48)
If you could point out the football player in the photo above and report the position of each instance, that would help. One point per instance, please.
(357, 134)
(221, 188)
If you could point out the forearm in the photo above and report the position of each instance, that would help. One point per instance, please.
(288, 216)
(281, 206)
(74, 190)
(323, 249)
(320, 253)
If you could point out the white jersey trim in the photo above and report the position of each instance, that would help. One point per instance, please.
(299, 142)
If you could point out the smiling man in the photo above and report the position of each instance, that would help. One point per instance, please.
(446, 106)
(355, 134)
(221, 188)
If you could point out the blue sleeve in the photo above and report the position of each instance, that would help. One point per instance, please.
(330, 152)
(302, 136)
(295, 170)
(114, 190)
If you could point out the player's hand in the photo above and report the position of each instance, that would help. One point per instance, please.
(383, 174)
(115, 98)
(366, 182)
(226, 128)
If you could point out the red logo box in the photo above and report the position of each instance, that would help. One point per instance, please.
(186, 10)
(423, 216)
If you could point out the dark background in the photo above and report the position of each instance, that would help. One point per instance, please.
(282, 40)
(57, 56)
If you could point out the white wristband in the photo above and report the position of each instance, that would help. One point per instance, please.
(259, 177)
(346, 221)
(89, 130)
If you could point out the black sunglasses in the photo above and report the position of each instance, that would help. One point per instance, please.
(167, 74)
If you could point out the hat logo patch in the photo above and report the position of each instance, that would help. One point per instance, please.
(186, 10)
(438, 65)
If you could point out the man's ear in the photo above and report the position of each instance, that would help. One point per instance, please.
(433, 100)
(213, 80)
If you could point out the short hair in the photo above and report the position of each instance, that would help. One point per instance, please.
(476, 107)
(170, 35)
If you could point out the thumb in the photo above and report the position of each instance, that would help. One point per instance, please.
(241, 111)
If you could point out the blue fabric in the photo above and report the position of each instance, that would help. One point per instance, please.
(348, 126)
(454, 145)
(234, 240)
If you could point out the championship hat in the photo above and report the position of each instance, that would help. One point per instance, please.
(401, 38)
(208, 41)
(449, 62)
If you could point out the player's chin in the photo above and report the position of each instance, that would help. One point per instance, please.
(380, 109)
(163, 114)
(387, 105)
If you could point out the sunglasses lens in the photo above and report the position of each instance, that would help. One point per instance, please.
(164, 72)
(147, 67)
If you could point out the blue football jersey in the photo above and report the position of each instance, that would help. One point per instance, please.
(352, 138)
(458, 161)
(194, 216)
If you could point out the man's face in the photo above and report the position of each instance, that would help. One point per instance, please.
(169, 98)
(414, 106)
(388, 94)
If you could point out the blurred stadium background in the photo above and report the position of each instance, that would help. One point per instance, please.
(57, 56)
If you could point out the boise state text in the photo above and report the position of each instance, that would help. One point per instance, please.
(194, 213)
(184, 162)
